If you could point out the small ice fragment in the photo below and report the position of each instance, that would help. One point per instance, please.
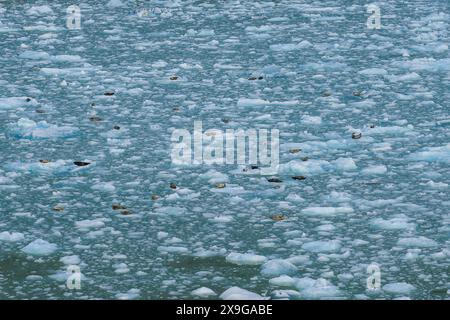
(11, 237)
(203, 292)
(399, 288)
(236, 293)
(283, 281)
(322, 246)
(245, 259)
(40, 247)
(278, 267)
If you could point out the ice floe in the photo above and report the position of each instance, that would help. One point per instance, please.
(236, 293)
(28, 129)
(245, 258)
(398, 288)
(11, 236)
(40, 247)
(278, 267)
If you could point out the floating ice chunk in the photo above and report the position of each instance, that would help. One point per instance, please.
(121, 268)
(317, 289)
(258, 29)
(412, 254)
(433, 154)
(214, 176)
(86, 224)
(173, 249)
(278, 267)
(271, 71)
(244, 102)
(299, 260)
(11, 237)
(28, 129)
(345, 164)
(68, 72)
(40, 247)
(290, 46)
(203, 292)
(437, 185)
(170, 210)
(104, 186)
(311, 120)
(326, 227)
(405, 77)
(130, 295)
(70, 260)
(283, 281)
(161, 235)
(322, 246)
(39, 10)
(60, 276)
(33, 277)
(34, 55)
(222, 219)
(418, 242)
(373, 72)
(285, 295)
(426, 64)
(17, 102)
(245, 259)
(374, 170)
(305, 167)
(391, 130)
(292, 197)
(337, 197)
(399, 288)
(325, 66)
(326, 211)
(313, 166)
(236, 293)
(115, 4)
(66, 58)
(206, 32)
(56, 167)
(398, 222)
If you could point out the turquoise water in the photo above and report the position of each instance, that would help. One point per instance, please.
(381, 199)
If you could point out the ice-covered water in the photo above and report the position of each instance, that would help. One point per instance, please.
(383, 198)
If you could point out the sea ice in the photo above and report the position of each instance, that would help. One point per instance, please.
(433, 154)
(70, 260)
(326, 211)
(397, 222)
(398, 288)
(17, 102)
(11, 237)
(243, 102)
(40, 247)
(317, 289)
(245, 259)
(28, 129)
(203, 292)
(104, 187)
(322, 246)
(374, 170)
(278, 267)
(236, 293)
(86, 224)
(283, 281)
(419, 242)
